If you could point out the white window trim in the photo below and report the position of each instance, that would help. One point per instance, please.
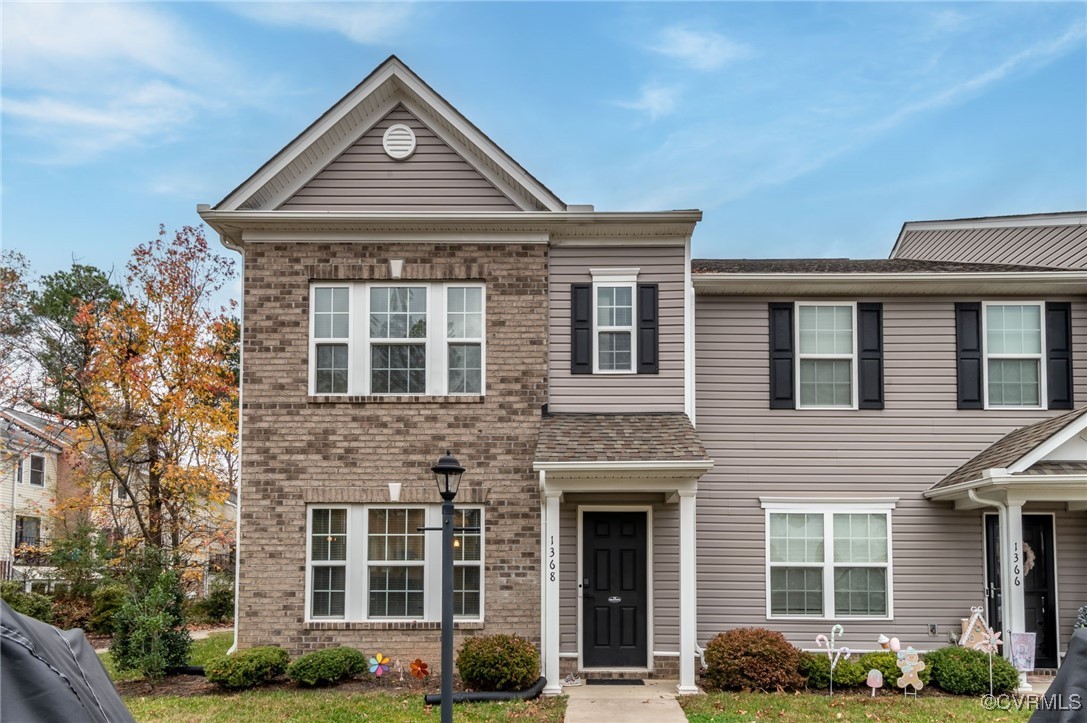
(357, 593)
(359, 342)
(612, 279)
(851, 357)
(1043, 389)
(30, 473)
(828, 509)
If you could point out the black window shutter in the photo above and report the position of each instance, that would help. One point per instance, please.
(870, 356)
(970, 365)
(782, 395)
(648, 329)
(1058, 342)
(581, 328)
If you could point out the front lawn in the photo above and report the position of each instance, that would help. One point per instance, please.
(330, 706)
(803, 707)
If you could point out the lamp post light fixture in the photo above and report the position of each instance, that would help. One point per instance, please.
(447, 473)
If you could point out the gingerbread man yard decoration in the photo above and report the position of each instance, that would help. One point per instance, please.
(909, 662)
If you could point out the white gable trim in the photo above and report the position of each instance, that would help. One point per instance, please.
(1038, 454)
(407, 85)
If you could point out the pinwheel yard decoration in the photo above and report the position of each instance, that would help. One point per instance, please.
(419, 668)
(379, 665)
(990, 643)
(833, 653)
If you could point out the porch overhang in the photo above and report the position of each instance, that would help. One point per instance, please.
(1001, 485)
(669, 477)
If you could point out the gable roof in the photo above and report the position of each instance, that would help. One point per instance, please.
(390, 84)
(1015, 446)
(28, 429)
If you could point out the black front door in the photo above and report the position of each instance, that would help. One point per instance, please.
(1037, 564)
(614, 590)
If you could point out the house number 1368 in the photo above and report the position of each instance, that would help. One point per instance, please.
(551, 557)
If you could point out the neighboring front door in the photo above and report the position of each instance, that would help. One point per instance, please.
(1040, 609)
(616, 598)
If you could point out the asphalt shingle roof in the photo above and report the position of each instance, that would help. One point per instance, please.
(1011, 448)
(851, 266)
(618, 437)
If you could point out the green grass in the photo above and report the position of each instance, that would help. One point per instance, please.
(804, 707)
(330, 706)
(202, 651)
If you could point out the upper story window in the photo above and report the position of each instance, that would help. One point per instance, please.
(372, 562)
(828, 560)
(614, 324)
(398, 338)
(1014, 340)
(28, 531)
(826, 355)
(1014, 355)
(37, 470)
(826, 348)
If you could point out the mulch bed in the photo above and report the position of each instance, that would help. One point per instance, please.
(190, 685)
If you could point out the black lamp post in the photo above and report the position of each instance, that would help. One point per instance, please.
(447, 474)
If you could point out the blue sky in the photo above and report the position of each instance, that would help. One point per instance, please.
(800, 129)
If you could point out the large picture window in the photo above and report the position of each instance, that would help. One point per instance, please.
(372, 562)
(828, 561)
(414, 338)
(1014, 344)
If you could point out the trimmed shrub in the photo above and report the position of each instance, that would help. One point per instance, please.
(28, 603)
(498, 662)
(216, 607)
(848, 673)
(886, 662)
(324, 667)
(105, 602)
(248, 668)
(966, 672)
(751, 659)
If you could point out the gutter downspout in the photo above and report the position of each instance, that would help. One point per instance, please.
(1002, 516)
(238, 493)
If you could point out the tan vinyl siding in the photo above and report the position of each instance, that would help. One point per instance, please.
(1058, 246)
(1071, 543)
(364, 178)
(663, 392)
(899, 451)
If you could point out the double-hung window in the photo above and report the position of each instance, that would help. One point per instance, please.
(826, 355)
(425, 338)
(614, 316)
(374, 563)
(828, 561)
(1014, 345)
(37, 470)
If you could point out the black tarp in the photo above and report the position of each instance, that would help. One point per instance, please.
(48, 674)
(1066, 699)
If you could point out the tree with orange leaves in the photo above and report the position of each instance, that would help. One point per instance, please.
(153, 396)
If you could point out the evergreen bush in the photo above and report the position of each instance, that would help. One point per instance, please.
(848, 673)
(31, 604)
(966, 672)
(886, 662)
(105, 602)
(751, 659)
(497, 662)
(248, 668)
(324, 667)
(149, 632)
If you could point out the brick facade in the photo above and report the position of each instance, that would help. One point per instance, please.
(299, 449)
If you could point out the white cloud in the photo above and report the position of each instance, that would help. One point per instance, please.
(655, 101)
(81, 79)
(366, 24)
(699, 49)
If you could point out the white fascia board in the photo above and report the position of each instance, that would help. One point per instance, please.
(1013, 482)
(945, 283)
(1072, 429)
(800, 504)
(395, 237)
(534, 217)
(667, 465)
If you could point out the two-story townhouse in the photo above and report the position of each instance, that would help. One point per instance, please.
(409, 288)
(34, 475)
(875, 425)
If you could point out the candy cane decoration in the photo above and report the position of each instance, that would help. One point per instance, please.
(833, 653)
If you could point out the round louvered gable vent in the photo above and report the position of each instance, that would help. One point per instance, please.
(399, 141)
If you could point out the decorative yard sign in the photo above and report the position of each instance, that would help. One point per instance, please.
(973, 629)
(1023, 651)
(833, 653)
(990, 644)
(909, 662)
(875, 680)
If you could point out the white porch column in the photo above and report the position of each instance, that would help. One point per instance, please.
(1014, 604)
(688, 606)
(551, 592)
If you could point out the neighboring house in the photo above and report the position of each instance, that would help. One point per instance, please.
(658, 449)
(32, 477)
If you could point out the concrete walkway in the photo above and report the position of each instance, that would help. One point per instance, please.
(654, 702)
